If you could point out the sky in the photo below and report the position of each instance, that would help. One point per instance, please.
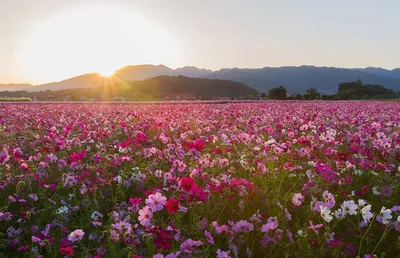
(51, 40)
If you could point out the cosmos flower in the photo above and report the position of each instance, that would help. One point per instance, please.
(326, 214)
(156, 201)
(189, 246)
(187, 184)
(172, 206)
(76, 235)
(349, 207)
(223, 254)
(366, 213)
(385, 215)
(145, 216)
(208, 236)
(297, 199)
(243, 226)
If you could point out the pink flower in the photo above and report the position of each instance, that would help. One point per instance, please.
(209, 238)
(33, 197)
(156, 201)
(188, 246)
(315, 227)
(297, 199)
(145, 216)
(223, 254)
(76, 235)
(243, 226)
(271, 224)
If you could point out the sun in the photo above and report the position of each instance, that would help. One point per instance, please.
(96, 39)
(107, 73)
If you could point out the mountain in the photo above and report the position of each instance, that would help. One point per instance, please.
(191, 71)
(127, 73)
(141, 72)
(296, 79)
(88, 80)
(394, 73)
(13, 87)
(156, 88)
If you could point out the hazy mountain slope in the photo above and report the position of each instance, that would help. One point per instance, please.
(156, 88)
(298, 79)
(191, 71)
(83, 81)
(295, 79)
(14, 86)
(395, 73)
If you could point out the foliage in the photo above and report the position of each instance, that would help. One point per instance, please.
(311, 94)
(357, 90)
(277, 93)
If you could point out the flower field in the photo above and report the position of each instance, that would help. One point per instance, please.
(273, 179)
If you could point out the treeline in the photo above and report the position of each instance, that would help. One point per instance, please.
(346, 91)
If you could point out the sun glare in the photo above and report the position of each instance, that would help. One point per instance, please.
(107, 74)
(98, 39)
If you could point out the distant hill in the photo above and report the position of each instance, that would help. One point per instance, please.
(395, 73)
(89, 80)
(296, 79)
(13, 87)
(156, 88)
(127, 73)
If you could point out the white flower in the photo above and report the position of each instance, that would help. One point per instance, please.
(62, 210)
(398, 219)
(326, 213)
(375, 190)
(374, 173)
(349, 207)
(340, 214)
(366, 213)
(358, 172)
(301, 233)
(361, 203)
(312, 163)
(386, 215)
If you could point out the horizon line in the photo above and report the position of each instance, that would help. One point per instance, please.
(201, 68)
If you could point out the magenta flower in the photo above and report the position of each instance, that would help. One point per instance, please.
(209, 238)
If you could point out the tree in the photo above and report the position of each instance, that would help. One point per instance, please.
(356, 90)
(263, 95)
(299, 97)
(277, 93)
(312, 93)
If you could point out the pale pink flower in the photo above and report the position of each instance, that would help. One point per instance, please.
(156, 201)
(145, 216)
(76, 235)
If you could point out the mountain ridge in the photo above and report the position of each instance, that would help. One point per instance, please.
(295, 78)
